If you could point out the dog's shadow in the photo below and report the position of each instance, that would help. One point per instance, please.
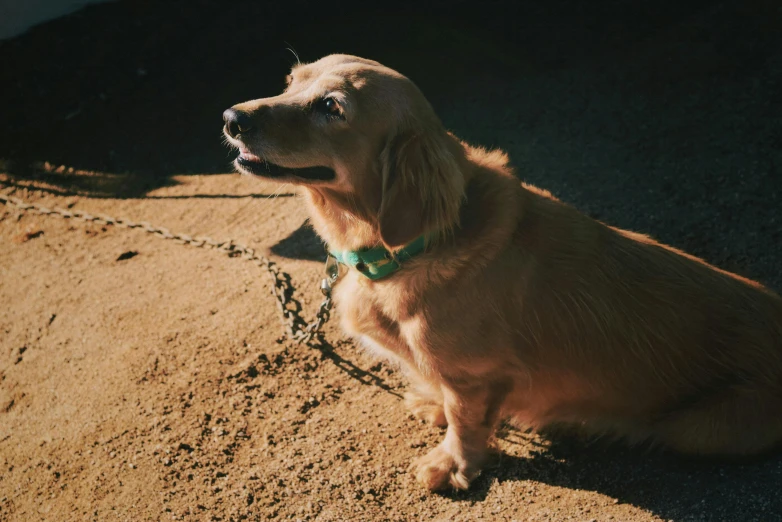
(303, 243)
(670, 486)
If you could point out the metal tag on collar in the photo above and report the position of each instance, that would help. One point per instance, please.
(332, 274)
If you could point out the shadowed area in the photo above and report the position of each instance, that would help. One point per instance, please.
(671, 486)
(304, 243)
(654, 116)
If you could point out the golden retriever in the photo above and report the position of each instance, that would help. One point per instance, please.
(519, 306)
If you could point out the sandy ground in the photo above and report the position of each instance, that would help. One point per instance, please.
(141, 379)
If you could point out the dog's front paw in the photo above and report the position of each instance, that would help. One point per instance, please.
(439, 469)
(426, 409)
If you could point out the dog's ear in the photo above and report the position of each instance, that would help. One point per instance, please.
(423, 186)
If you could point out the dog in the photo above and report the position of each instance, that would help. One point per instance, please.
(498, 300)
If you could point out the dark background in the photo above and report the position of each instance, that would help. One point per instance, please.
(659, 116)
(664, 117)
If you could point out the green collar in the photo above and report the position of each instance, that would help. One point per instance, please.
(377, 262)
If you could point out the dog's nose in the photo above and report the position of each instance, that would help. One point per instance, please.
(237, 122)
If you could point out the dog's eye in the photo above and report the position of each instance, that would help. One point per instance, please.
(329, 107)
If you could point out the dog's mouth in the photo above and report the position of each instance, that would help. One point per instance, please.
(254, 164)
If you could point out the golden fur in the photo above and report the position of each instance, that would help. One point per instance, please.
(521, 306)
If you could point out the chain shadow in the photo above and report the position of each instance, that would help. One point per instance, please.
(327, 350)
(365, 377)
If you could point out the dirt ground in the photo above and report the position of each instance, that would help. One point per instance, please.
(141, 379)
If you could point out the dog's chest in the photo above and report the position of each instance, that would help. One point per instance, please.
(373, 317)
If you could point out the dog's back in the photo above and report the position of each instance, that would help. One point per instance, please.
(691, 354)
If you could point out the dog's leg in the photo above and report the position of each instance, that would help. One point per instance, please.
(472, 414)
(425, 401)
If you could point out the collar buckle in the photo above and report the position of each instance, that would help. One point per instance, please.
(332, 275)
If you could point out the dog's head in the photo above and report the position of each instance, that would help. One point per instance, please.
(362, 136)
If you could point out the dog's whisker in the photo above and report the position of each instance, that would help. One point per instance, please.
(293, 51)
(278, 191)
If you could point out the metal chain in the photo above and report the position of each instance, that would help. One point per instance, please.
(295, 328)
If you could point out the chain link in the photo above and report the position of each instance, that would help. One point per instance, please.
(296, 330)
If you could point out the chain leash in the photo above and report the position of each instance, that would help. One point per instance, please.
(296, 330)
